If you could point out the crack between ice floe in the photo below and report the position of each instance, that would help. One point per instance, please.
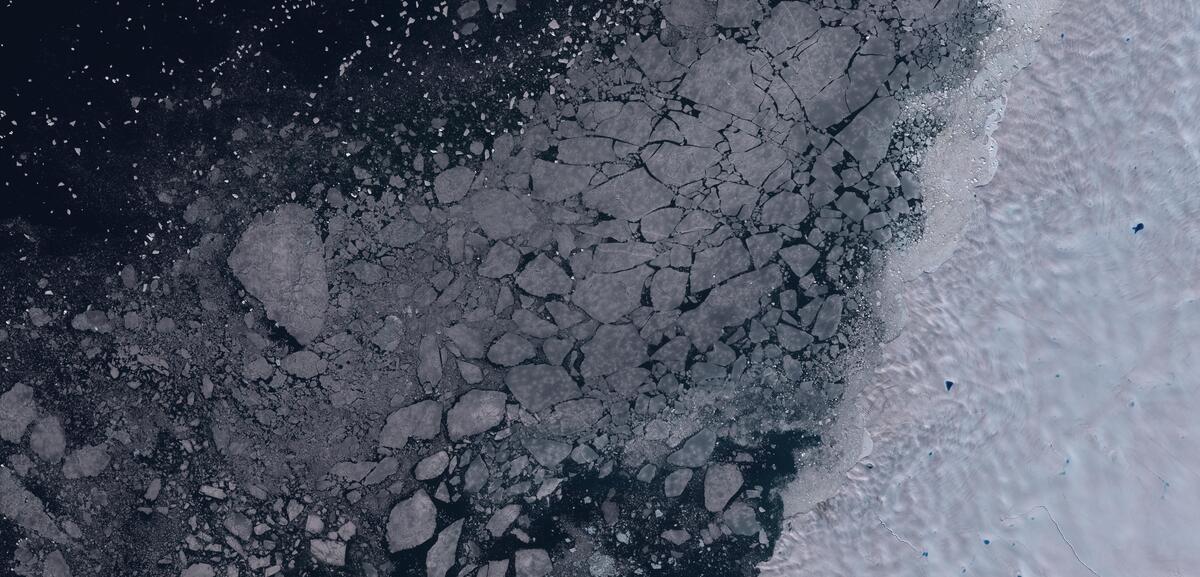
(898, 537)
(1062, 536)
(1058, 528)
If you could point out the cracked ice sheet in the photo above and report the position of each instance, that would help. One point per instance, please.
(1065, 442)
(404, 337)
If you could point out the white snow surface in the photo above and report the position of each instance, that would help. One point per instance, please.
(1068, 443)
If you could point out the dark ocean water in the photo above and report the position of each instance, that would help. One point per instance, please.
(70, 74)
(83, 77)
